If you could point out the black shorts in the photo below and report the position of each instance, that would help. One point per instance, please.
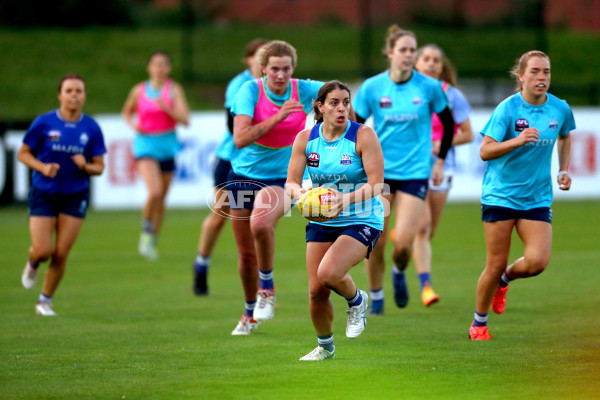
(414, 187)
(497, 213)
(242, 190)
(365, 234)
(45, 204)
(221, 172)
(165, 165)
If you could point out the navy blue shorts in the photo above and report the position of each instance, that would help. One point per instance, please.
(221, 172)
(363, 233)
(165, 165)
(44, 204)
(497, 213)
(242, 190)
(415, 187)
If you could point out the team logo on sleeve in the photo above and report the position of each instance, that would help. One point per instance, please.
(385, 102)
(345, 160)
(521, 124)
(84, 138)
(54, 135)
(553, 124)
(313, 160)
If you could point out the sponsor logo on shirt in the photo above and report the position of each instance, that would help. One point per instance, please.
(541, 143)
(417, 101)
(84, 138)
(54, 135)
(313, 159)
(67, 148)
(521, 124)
(401, 117)
(385, 102)
(345, 160)
(329, 177)
(553, 124)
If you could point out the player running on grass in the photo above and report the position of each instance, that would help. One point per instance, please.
(63, 148)
(402, 101)
(517, 184)
(347, 156)
(269, 113)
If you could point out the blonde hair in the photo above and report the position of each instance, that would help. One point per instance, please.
(521, 65)
(276, 48)
(394, 33)
(448, 71)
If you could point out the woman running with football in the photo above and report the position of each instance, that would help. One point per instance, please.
(518, 141)
(345, 157)
(269, 113)
(401, 101)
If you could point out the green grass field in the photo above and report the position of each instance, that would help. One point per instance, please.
(132, 329)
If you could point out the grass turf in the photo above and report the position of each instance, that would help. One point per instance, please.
(132, 329)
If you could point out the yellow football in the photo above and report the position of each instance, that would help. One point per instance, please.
(314, 204)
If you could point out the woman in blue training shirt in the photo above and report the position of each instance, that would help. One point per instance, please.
(401, 101)
(345, 157)
(517, 185)
(64, 148)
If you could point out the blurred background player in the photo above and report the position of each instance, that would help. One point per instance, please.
(159, 105)
(268, 114)
(346, 149)
(401, 101)
(213, 223)
(517, 184)
(432, 61)
(64, 148)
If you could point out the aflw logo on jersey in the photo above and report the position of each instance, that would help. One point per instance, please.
(313, 159)
(521, 124)
(54, 135)
(385, 102)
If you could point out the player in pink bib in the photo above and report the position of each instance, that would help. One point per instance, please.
(269, 113)
(159, 105)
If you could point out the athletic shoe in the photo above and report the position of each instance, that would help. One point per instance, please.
(376, 308)
(29, 276)
(357, 317)
(43, 308)
(428, 296)
(265, 305)
(318, 354)
(400, 290)
(246, 326)
(479, 333)
(200, 285)
(499, 302)
(147, 246)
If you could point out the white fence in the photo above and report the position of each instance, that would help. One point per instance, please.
(120, 187)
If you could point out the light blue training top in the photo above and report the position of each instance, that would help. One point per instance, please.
(521, 179)
(226, 149)
(402, 116)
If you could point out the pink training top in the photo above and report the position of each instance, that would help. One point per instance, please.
(152, 120)
(437, 129)
(284, 133)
